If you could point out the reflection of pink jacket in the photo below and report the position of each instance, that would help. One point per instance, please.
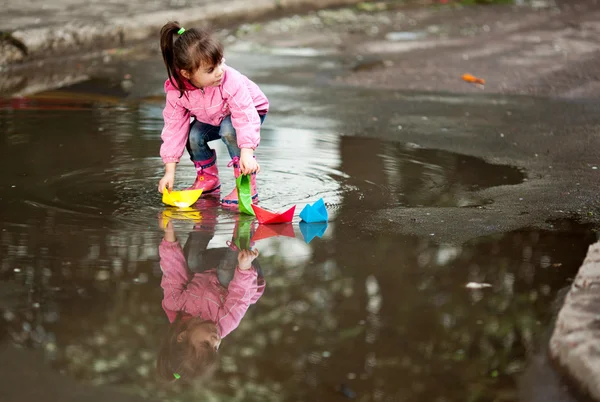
(236, 96)
(201, 294)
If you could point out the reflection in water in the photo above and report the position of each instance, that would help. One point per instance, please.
(205, 297)
(383, 315)
(312, 230)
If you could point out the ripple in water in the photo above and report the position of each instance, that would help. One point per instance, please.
(294, 172)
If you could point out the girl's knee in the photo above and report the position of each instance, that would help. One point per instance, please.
(197, 134)
(227, 132)
(229, 137)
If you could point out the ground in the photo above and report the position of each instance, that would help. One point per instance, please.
(418, 167)
(550, 50)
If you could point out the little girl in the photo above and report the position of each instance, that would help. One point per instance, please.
(224, 103)
(202, 306)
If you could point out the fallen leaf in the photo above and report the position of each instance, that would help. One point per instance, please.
(473, 79)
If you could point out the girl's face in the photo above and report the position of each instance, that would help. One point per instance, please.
(201, 335)
(206, 76)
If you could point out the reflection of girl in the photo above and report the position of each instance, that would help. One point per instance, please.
(201, 308)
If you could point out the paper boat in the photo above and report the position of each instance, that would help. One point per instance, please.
(244, 191)
(181, 199)
(312, 230)
(267, 231)
(267, 217)
(314, 213)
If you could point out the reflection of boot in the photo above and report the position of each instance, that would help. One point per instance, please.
(197, 254)
(210, 208)
(232, 198)
(208, 175)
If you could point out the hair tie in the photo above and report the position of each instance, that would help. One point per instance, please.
(181, 30)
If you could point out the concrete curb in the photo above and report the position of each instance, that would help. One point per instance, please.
(26, 45)
(575, 343)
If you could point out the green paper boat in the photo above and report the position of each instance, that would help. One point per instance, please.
(244, 194)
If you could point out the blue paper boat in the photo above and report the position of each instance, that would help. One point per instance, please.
(312, 230)
(314, 213)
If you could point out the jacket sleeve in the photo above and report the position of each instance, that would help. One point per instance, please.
(241, 293)
(260, 289)
(175, 276)
(244, 115)
(175, 131)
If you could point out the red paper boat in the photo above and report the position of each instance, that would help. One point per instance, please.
(267, 217)
(267, 231)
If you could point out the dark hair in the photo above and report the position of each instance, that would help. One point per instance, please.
(189, 51)
(181, 358)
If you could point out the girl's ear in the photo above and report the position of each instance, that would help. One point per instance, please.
(186, 74)
(181, 337)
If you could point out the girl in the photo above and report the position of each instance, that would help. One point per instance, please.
(224, 103)
(205, 305)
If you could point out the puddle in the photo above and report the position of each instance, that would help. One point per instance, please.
(404, 35)
(377, 316)
(397, 174)
(280, 50)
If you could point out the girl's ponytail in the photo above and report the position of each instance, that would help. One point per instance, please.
(167, 38)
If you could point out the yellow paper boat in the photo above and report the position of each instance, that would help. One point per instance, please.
(181, 199)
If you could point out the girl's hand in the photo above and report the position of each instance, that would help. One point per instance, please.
(167, 226)
(245, 258)
(248, 164)
(167, 181)
(169, 178)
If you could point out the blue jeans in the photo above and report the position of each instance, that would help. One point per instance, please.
(201, 133)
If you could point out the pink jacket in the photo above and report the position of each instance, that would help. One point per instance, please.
(201, 294)
(236, 96)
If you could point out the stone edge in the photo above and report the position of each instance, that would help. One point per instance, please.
(573, 345)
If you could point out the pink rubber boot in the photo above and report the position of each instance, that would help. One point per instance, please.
(232, 198)
(208, 176)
